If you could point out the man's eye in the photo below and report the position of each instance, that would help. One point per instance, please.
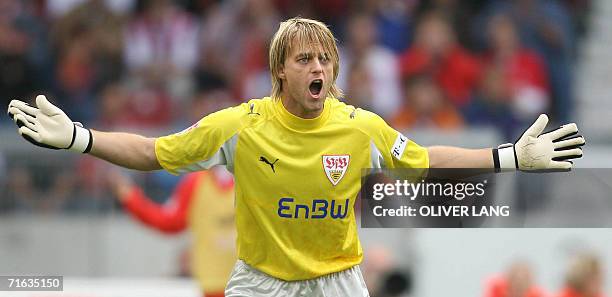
(303, 60)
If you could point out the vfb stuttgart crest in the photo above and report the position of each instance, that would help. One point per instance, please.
(335, 166)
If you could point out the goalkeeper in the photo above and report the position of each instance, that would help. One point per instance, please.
(301, 146)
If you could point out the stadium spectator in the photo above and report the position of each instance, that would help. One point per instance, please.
(517, 281)
(545, 26)
(89, 55)
(426, 106)
(161, 49)
(104, 32)
(149, 106)
(491, 105)
(213, 93)
(457, 13)
(332, 12)
(228, 29)
(133, 106)
(584, 277)
(378, 259)
(251, 71)
(436, 52)
(122, 105)
(382, 275)
(22, 51)
(395, 21)
(113, 99)
(372, 81)
(523, 69)
(514, 87)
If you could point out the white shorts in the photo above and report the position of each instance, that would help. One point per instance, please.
(246, 281)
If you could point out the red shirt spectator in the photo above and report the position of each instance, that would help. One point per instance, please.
(525, 67)
(457, 72)
(525, 80)
(436, 53)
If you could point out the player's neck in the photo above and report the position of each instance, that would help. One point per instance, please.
(297, 109)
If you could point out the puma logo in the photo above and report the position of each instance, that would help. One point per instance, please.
(263, 159)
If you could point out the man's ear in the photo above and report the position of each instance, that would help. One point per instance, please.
(281, 72)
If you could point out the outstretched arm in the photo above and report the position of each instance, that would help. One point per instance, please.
(125, 149)
(456, 157)
(48, 126)
(534, 151)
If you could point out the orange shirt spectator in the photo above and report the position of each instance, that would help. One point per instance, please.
(500, 287)
(425, 105)
(517, 281)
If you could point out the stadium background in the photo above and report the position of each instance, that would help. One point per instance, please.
(468, 73)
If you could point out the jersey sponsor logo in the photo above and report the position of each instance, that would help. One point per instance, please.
(335, 166)
(263, 159)
(399, 146)
(318, 209)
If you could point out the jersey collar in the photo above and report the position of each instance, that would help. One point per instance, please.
(294, 122)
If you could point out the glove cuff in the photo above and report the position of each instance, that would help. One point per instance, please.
(81, 140)
(504, 158)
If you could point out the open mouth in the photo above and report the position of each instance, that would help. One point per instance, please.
(315, 87)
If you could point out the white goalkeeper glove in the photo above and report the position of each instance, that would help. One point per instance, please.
(534, 151)
(48, 126)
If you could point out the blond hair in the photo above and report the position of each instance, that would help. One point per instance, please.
(305, 33)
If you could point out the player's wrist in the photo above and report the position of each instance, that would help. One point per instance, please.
(504, 158)
(82, 139)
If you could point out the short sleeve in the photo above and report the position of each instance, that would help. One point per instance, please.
(207, 143)
(393, 148)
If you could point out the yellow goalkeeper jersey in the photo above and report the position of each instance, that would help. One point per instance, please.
(296, 179)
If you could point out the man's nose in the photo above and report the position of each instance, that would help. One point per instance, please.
(316, 66)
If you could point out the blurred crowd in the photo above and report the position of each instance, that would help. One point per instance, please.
(160, 65)
(584, 277)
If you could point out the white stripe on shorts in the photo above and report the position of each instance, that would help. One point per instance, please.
(246, 281)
